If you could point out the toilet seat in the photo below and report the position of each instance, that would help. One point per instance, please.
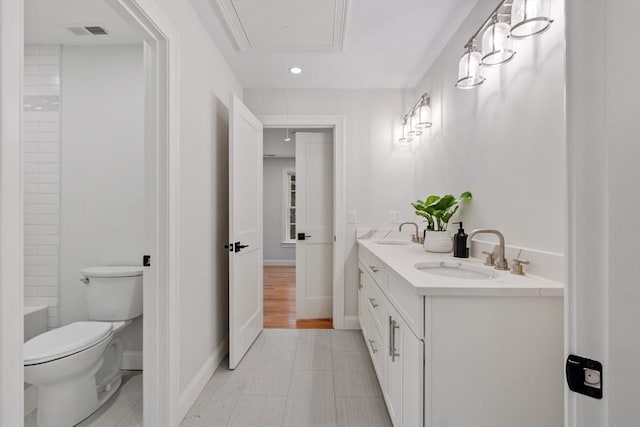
(65, 341)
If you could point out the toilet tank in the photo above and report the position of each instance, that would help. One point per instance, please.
(113, 293)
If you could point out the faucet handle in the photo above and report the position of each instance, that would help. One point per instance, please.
(489, 260)
(517, 266)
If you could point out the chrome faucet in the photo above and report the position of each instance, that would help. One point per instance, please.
(416, 238)
(501, 262)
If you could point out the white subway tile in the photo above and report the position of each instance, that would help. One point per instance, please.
(47, 270)
(30, 291)
(30, 250)
(31, 49)
(30, 208)
(30, 270)
(42, 198)
(41, 136)
(32, 219)
(41, 116)
(30, 230)
(38, 239)
(49, 127)
(46, 291)
(53, 311)
(31, 178)
(48, 209)
(47, 90)
(47, 188)
(31, 168)
(30, 188)
(30, 147)
(41, 158)
(51, 281)
(53, 322)
(49, 49)
(30, 90)
(41, 60)
(41, 80)
(48, 219)
(49, 168)
(47, 229)
(48, 147)
(30, 127)
(49, 70)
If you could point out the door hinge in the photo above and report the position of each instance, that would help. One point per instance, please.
(229, 246)
(146, 260)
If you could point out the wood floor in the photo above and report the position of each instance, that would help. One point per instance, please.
(280, 301)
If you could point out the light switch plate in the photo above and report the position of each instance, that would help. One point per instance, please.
(394, 217)
(353, 217)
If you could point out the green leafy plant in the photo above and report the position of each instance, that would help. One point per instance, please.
(439, 210)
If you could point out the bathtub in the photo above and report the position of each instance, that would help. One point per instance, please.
(35, 321)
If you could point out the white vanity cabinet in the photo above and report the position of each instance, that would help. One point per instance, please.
(458, 356)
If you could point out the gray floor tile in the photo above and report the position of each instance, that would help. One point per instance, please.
(263, 411)
(313, 352)
(362, 412)
(270, 374)
(347, 341)
(354, 375)
(124, 409)
(277, 340)
(311, 401)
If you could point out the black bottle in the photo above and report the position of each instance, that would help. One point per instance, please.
(460, 249)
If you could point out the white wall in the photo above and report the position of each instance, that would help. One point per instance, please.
(604, 165)
(275, 251)
(102, 169)
(41, 158)
(206, 85)
(379, 173)
(503, 141)
(274, 144)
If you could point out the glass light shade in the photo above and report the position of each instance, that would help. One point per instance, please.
(413, 128)
(497, 46)
(405, 129)
(470, 71)
(530, 18)
(423, 116)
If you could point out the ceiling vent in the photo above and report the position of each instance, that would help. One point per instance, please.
(94, 30)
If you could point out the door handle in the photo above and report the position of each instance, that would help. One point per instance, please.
(394, 350)
(239, 247)
(373, 349)
(303, 236)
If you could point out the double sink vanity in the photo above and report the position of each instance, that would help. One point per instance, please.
(456, 343)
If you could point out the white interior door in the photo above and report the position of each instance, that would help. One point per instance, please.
(245, 230)
(314, 225)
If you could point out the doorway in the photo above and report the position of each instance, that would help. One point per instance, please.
(298, 228)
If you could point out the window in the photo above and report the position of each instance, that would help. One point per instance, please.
(289, 200)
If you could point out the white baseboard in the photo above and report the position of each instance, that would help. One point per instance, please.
(351, 322)
(280, 262)
(199, 381)
(132, 361)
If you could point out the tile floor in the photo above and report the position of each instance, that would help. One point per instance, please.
(295, 378)
(289, 378)
(123, 410)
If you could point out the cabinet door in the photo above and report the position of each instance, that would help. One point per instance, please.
(362, 301)
(395, 351)
(405, 374)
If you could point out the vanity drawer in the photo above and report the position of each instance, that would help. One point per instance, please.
(376, 304)
(376, 268)
(409, 305)
(377, 347)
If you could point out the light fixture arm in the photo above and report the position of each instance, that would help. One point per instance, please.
(425, 99)
(490, 18)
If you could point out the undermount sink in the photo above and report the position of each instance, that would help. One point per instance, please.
(456, 270)
(393, 242)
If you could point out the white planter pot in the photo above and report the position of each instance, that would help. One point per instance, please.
(438, 241)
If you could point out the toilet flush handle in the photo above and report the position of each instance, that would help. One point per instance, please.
(85, 280)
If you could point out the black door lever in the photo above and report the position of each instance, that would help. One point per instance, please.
(239, 247)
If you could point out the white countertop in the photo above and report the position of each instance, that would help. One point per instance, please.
(402, 260)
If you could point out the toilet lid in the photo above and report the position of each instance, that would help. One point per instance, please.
(64, 341)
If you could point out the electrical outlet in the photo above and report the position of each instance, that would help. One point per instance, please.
(394, 217)
(353, 217)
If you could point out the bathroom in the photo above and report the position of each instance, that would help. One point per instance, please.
(84, 201)
(544, 145)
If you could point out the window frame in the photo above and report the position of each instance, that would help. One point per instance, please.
(286, 206)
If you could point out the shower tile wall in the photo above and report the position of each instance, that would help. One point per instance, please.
(42, 178)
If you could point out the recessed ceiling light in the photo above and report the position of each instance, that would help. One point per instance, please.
(295, 70)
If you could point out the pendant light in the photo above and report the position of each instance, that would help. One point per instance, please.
(530, 18)
(497, 45)
(423, 113)
(470, 69)
(405, 131)
(413, 128)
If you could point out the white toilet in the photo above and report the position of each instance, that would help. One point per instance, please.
(77, 367)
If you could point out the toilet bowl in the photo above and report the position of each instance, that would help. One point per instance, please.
(76, 367)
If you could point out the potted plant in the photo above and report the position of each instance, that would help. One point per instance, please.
(438, 211)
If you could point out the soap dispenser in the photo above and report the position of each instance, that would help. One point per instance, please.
(460, 249)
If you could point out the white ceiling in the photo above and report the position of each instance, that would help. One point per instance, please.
(386, 43)
(46, 22)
